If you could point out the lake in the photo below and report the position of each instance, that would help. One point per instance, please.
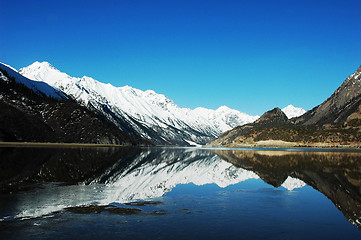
(179, 193)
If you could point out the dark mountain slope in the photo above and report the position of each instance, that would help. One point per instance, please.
(341, 104)
(246, 133)
(32, 116)
(337, 121)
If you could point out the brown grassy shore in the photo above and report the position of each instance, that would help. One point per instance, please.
(52, 145)
(284, 144)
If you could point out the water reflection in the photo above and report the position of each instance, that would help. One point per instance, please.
(155, 172)
(20, 167)
(337, 175)
(120, 175)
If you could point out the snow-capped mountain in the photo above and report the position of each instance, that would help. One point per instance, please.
(33, 111)
(141, 113)
(225, 118)
(292, 111)
(40, 88)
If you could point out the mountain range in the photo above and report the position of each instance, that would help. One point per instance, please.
(336, 122)
(141, 114)
(33, 111)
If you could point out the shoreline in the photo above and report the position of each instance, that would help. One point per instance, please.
(47, 144)
(262, 144)
(275, 144)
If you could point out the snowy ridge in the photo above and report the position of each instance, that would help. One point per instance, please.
(146, 113)
(40, 88)
(292, 111)
(225, 118)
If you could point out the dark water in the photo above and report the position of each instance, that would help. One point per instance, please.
(168, 193)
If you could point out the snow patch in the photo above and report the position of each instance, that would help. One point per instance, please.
(292, 111)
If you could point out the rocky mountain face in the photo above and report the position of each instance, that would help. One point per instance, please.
(36, 112)
(144, 114)
(274, 117)
(339, 106)
(335, 122)
(252, 132)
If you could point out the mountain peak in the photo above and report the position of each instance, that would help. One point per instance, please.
(37, 68)
(39, 71)
(335, 110)
(38, 87)
(38, 65)
(274, 116)
(223, 109)
(292, 111)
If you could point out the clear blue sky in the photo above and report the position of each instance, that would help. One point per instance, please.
(250, 55)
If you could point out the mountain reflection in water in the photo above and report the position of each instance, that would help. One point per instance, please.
(119, 175)
(337, 175)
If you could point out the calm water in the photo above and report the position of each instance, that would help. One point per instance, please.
(183, 193)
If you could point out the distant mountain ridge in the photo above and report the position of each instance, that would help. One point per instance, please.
(335, 122)
(144, 114)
